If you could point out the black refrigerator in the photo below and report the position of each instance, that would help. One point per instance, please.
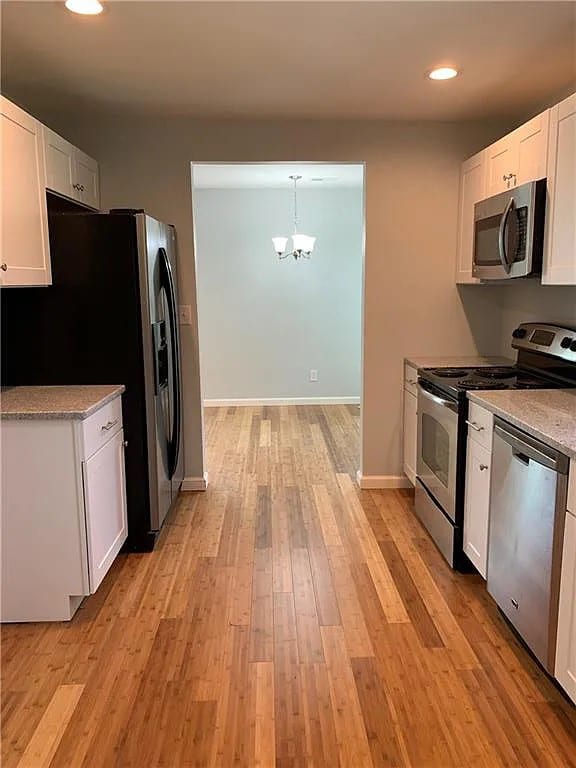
(110, 317)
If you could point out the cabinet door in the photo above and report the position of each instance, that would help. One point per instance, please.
(105, 507)
(25, 257)
(476, 505)
(59, 155)
(502, 164)
(86, 180)
(532, 141)
(410, 435)
(560, 243)
(472, 189)
(566, 639)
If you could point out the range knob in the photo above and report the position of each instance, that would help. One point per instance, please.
(566, 341)
(573, 346)
(519, 333)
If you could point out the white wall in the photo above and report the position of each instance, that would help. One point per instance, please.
(264, 323)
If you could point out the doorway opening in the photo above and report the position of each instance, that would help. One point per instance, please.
(281, 325)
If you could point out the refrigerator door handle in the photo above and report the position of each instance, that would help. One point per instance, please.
(168, 279)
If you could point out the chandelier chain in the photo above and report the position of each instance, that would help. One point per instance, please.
(295, 179)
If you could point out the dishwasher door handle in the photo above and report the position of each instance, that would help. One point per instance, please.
(526, 449)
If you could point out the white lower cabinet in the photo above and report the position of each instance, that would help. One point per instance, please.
(410, 435)
(477, 486)
(477, 504)
(410, 422)
(105, 507)
(63, 511)
(565, 671)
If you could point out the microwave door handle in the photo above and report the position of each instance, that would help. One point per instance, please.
(502, 236)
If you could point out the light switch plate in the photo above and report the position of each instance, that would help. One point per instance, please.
(185, 314)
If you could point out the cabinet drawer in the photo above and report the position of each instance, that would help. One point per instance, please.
(101, 426)
(411, 378)
(480, 422)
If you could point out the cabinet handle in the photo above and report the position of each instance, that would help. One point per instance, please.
(4, 267)
(483, 467)
(109, 425)
(125, 443)
(412, 381)
(81, 187)
(474, 425)
(76, 187)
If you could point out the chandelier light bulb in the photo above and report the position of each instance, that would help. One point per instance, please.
(302, 245)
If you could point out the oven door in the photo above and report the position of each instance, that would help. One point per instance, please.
(438, 446)
(507, 233)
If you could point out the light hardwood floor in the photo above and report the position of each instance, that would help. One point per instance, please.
(287, 619)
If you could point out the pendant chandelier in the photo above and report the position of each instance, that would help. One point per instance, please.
(302, 245)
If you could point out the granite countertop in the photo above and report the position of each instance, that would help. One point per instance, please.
(69, 402)
(419, 361)
(547, 414)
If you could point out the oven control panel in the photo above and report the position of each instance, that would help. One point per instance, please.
(553, 340)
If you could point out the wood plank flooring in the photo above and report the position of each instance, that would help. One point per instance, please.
(286, 619)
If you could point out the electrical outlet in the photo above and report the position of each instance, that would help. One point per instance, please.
(313, 374)
(185, 314)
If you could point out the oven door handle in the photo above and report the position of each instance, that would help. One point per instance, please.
(501, 237)
(436, 398)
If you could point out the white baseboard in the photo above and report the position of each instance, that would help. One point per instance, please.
(195, 483)
(376, 482)
(283, 401)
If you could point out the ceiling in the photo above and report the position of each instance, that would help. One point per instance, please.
(276, 175)
(291, 59)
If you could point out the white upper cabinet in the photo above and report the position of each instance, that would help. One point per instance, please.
(500, 166)
(35, 159)
(522, 156)
(518, 157)
(59, 163)
(532, 143)
(560, 241)
(472, 189)
(25, 257)
(87, 188)
(69, 171)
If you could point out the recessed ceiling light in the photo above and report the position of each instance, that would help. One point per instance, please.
(85, 7)
(443, 73)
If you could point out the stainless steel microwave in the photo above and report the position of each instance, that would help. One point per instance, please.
(509, 233)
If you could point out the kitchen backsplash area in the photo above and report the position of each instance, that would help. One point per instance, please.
(528, 300)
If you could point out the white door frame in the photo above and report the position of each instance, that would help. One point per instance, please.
(362, 163)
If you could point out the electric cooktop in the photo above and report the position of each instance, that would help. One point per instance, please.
(458, 380)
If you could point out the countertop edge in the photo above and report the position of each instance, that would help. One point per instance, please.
(476, 397)
(54, 415)
(449, 361)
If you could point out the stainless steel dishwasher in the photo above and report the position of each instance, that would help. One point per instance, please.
(528, 497)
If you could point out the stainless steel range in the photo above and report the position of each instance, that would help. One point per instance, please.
(546, 360)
